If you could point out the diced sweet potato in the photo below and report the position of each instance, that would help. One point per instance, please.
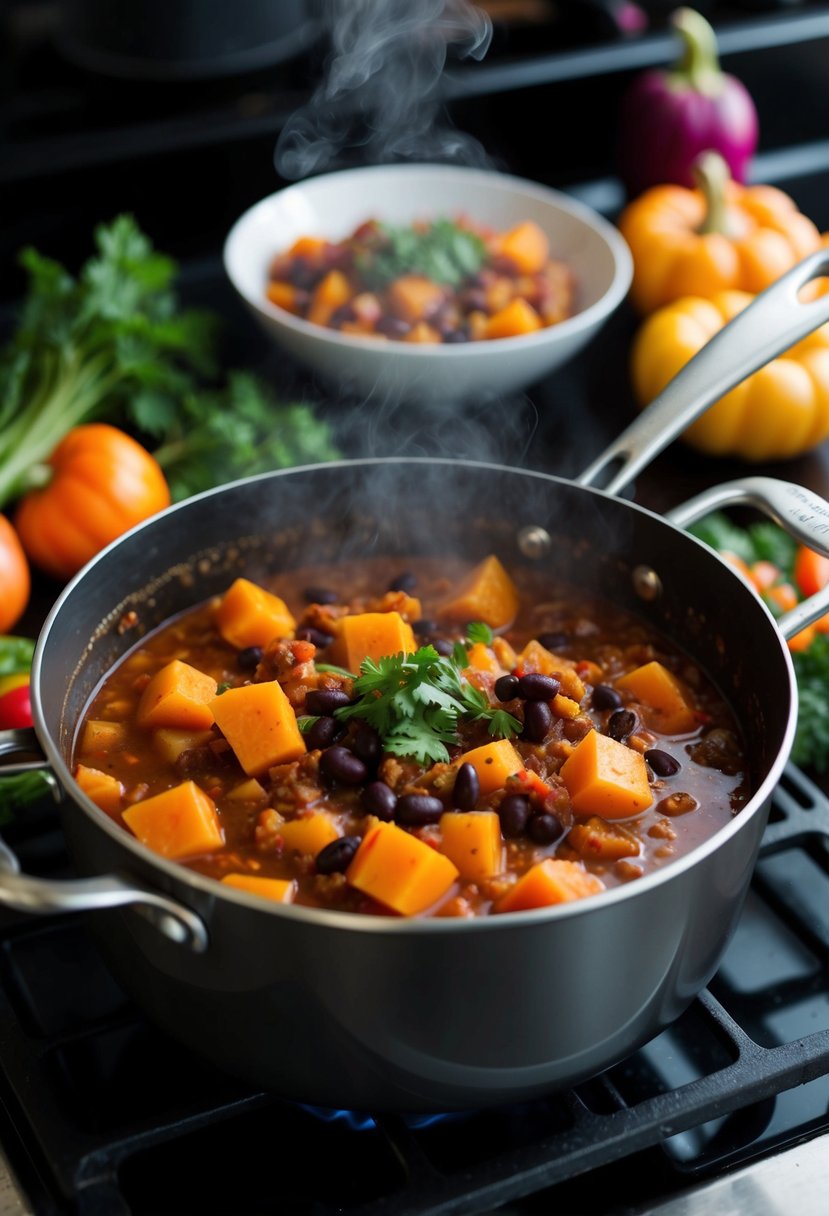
(331, 293)
(372, 635)
(415, 298)
(179, 696)
(177, 823)
(516, 318)
(494, 763)
(488, 594)
(170, 743)
(105, 790)
(247, 791)
(565, 707)
(310, 247)
(535, 657)
(472, 841)
(527, 247)
(400, 871)
(552, 881)
(248, 615)
(308, 833)
(422, 332)
(606, 778)
(482, 658)
(282, 890)
(260, 725)
(598, 840)
(667, 704)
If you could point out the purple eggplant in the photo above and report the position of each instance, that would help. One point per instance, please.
(668, 118)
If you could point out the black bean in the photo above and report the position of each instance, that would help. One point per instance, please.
(514, 812)
(554, 641)
(443, 646)
(366, 744)
(320, 595)
(319, 639)
(662, 763)
(506, 688)
(393, 327)
(620, 724)
(249, 658)
(323, 733)
(425, 625)
(416, 810)
(325, 700)
(605, 697)
(379, 799)
(536, 687)
(338, 855)
(340, 764)
(466, 789)
(544, 828)
(407, 581)
(538, 719)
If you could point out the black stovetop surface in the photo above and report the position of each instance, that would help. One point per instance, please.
(103, 1114)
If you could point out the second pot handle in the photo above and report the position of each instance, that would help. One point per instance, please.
(800, 512)
(24, 893)
(769, 325)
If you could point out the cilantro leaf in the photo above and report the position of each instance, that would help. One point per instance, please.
(443, 251)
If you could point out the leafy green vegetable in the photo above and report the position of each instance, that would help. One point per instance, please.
(416, 702)
(20, 790)
(442, 251)
(114, 344)
(765, 541)
(15, 654)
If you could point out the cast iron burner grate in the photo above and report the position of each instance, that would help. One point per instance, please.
(103, 1114)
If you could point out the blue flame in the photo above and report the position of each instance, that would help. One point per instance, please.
(358, 1122)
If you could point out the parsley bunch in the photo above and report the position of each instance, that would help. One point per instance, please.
(113, 344)
(416, 702)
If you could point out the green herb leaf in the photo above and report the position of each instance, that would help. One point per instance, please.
(477, 631)
(15, 654)
(443, 251)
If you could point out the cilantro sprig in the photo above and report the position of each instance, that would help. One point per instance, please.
(416, 702)
(443, 251)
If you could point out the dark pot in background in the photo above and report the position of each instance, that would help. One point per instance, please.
(170, 40)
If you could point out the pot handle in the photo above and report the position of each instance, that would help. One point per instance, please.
(24, 893)
(802, 513)
(769, 325)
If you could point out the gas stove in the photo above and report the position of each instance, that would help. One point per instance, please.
(102, 1113)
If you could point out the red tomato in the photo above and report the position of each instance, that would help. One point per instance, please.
(15, 581)
(15, 708)
(811, 570)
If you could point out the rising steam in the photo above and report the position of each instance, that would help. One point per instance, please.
(378, 101)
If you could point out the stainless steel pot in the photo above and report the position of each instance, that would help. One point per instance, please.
(371, 1012)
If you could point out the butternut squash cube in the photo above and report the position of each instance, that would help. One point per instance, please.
(177, 823)
(552, 881)
(413, 298)
(281, 890)
(372, 635)
(400, 871)
(527, 247)
(331, 293)
(283, 295)
(494, 763)
(248, 615)
(472, 841)
(668, 705)
(179, 696)
(170, 743)
(514, 319)
(105, 790)
(481, 658)
(488, 594)
(260, 725)
(598, 840)
(247, 791)
(102, 736)
(606, 778)
(308, 833)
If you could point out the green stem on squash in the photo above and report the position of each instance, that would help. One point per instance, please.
(698, 67)
(712, 175)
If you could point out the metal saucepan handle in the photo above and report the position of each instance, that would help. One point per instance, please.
(803, 514)
(772, 322)
(27, 894)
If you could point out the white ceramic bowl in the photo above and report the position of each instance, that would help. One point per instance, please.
(333, 204)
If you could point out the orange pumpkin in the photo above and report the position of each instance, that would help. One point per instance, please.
(102, 483)
(15, 581)
(718, 237)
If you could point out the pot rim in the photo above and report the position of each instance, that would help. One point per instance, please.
(180, 876)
